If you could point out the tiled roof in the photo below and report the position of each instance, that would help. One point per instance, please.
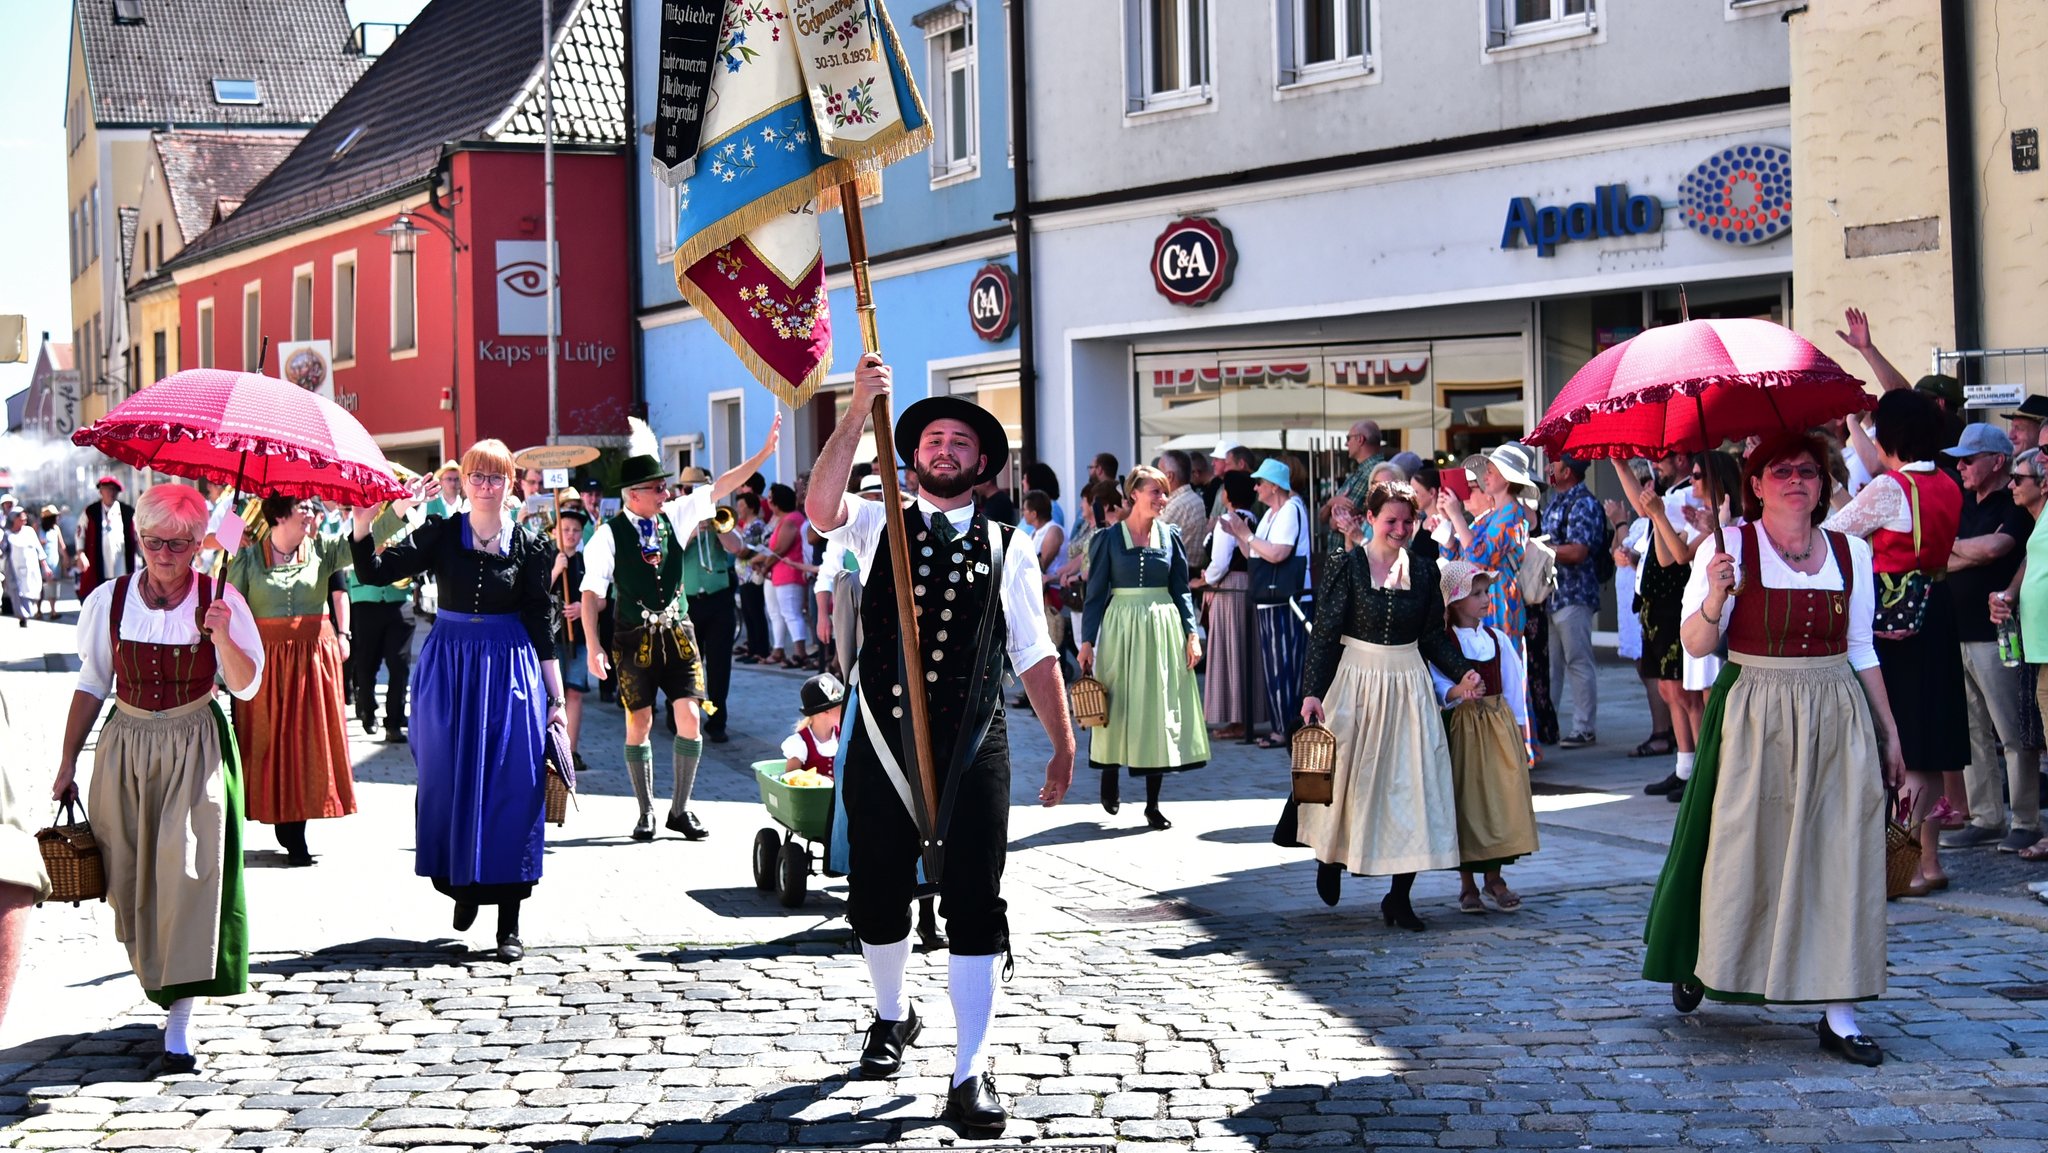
(463, 69)
(204, 169)
(161, 71)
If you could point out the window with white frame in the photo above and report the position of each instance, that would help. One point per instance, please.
(205, 349)
(949, 49)
(302, 302)
(728, 432)
(405, 335)
(345, 308)
(666, 210)
(1515, 23)
(1166, 46)
(252, 326)
(1324, 39)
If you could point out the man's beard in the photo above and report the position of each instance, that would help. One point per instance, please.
(943, 487)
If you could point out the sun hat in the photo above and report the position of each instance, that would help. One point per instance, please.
(1515, 463)
(1274, 471)
(1462, 578)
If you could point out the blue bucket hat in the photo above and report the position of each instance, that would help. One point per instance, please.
(1275, 471)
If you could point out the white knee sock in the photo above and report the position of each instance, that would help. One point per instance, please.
(1842, 1019)
(177, 1026)
(971, 982)
(886, 964)
(1684, 769)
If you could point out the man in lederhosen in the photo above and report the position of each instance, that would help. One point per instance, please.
(978, 597)
(637, 556)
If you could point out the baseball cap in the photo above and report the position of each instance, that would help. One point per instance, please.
(1978, 438)
(1223, 446)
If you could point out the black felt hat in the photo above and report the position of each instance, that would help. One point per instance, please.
(640, 470)
(2035, 407)
(822, 692)
(995, 443)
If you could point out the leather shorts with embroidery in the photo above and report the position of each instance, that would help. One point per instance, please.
(648, 662)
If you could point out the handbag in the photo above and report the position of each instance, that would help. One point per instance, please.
(1902, 596)
(559, 775)
(1090, 703)
(1313, 752)
(1538, 572)
(71, 856)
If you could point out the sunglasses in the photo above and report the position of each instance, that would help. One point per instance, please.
(2017, 477)
(1785, 473)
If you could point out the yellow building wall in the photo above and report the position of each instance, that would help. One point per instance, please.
(1868, 148)
(157, 312)
(82, 169)
(2009, 60)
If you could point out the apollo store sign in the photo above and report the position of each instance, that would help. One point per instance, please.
(1741, 195)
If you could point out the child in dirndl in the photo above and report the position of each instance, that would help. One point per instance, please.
(815, 743)
(1489, 752)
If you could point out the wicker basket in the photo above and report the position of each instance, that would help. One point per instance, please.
(1314, 751)
(1901, 858)
(72, 857)
(1090, 703)
(557, 798)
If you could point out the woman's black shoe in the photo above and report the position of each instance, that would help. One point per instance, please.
(1110, 800)
(465, 915)
(1685, 995)
(1156, 819)
(1329, 882)
(180, 1063)
(1857, 1049)
(1398, 911)
(297, 859)
(509, 948)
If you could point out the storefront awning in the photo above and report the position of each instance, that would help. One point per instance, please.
(1301, 413)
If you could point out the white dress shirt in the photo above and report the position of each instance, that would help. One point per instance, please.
(600, 554)
(177, 625)
(1023, 590)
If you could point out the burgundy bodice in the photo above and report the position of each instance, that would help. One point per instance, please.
(158, 677)
(1772, 622)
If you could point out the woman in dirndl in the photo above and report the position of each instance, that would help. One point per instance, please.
(1774, 887)
(1910, 513)
(1392, 811)
(488, 685)
(165, 799)
(294, 732)
(1232, 662)
(1138, 638)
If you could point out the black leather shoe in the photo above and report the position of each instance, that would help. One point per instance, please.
(1676, 794)
(1156, 819)
(509, 948)
(692, 829)
(1329, 882)
(1110, 800)
(1660, 788)
(369, 725)
(465, 915)
(1398, 911)
(643, 829)
(297, 859)
(394, 734)
(973, 1108)
(178, 1063)
(1857, 1049)
(1685, 995)
(882, 1055)
(716, 736)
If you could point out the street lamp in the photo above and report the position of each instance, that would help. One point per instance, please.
(405, 238)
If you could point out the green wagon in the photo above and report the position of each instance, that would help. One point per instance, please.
(781, 864)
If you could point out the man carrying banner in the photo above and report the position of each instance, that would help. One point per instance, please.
(978, 597)
(638, 554)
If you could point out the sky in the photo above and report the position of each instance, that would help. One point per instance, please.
(33, 279)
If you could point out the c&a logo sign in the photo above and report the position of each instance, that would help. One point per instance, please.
(1193, 260)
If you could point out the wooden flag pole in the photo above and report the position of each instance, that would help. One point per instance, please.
(926, 788)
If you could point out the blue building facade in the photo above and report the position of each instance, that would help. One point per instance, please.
(935, 226)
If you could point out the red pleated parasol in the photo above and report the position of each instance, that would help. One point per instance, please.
(257, 433)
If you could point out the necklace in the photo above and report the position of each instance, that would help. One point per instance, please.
(159, 600)
(1790, 557)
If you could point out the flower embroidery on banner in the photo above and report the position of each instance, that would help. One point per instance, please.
(856, 105)
(732, 37)
(792, 317)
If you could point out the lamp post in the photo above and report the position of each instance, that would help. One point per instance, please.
(405, 234)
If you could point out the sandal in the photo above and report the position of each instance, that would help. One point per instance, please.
(1470, 903)
(1659, 745)
(1504, 898)
(2038, 851)
(1270, 741)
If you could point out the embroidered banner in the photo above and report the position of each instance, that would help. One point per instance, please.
(689, 41)
(805, 95)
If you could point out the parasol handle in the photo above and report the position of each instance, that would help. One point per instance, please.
(1713, 490)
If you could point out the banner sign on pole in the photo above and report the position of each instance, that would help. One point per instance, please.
(690, 32)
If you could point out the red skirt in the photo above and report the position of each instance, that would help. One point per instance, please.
(294, 731)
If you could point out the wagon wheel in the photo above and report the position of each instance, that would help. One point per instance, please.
(766, 842)
(793, 872)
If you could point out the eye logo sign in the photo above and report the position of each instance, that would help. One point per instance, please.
(522, 277)
(1740, 195)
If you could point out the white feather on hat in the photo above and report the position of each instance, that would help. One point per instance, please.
(640, 439)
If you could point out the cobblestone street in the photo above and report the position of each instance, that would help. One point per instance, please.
(1184, 987)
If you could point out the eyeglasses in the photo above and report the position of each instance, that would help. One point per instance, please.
(1786, 473)
(486, 480)
(655, 487)
(176, 547)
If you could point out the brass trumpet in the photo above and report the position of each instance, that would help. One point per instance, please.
(721, 520)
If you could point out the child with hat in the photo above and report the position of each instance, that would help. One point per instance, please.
(1489, 750)
(816, 739)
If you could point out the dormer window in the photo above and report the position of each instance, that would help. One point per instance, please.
(127, 11)
(236, 92)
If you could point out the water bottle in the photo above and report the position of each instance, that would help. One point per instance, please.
(2010, 654)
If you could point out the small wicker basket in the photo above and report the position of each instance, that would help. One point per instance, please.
(557, 798)
(1090, 703)
(1901, 858)
(72, 857)
(1314, 751)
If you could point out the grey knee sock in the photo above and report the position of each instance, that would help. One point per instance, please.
(640, 770)
(687, 752)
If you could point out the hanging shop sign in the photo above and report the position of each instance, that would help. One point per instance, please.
(992, 302)
(1612, 212)
(1193, 260)
(1740, 195)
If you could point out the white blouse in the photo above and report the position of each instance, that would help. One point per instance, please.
(1480, 644)
(1775, 573)
(1880, 504)
(176, 625)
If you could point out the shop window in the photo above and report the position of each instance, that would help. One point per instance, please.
(1324, 39)
(1166, 43)
(1514, 24)
(345, 308)
(302, 302)
(205, 313)
(252, 326)
(950, 56)
(995, 389)
(404, 306)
